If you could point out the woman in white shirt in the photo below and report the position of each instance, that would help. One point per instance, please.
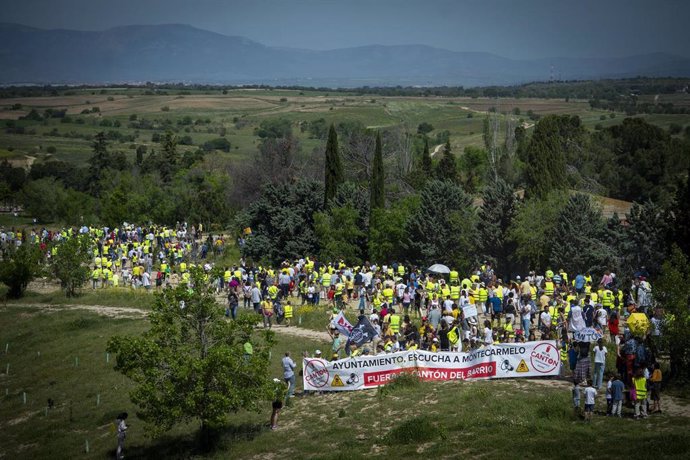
(600, 352)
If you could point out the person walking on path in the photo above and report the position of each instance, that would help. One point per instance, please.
(121, 435)
(289, 373)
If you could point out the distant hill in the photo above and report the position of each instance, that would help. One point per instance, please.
(181, 53)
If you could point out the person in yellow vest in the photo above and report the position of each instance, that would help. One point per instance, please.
(508, 331)
(607, 299)
(339, 292)
(401, 270)
(288, 313)
(227, 275)
(325, 284)
(267, 312)
(549, 287)
(640, 383)
(394, 321)
(273, 292)
(454, 276)
(482, 297)
(564, 276)
(388, 293)
(183, 267)
(455, 292)
(96, 277)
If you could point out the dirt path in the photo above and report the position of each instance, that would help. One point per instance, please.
(136, 313)
(436, 150)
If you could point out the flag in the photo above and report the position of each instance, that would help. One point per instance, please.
(342, 324)
(362, 333)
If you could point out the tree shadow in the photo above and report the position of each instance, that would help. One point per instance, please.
(194, 444)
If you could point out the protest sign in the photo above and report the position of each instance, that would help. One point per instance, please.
(531, 359)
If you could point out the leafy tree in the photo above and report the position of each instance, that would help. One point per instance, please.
(532, 229)
(378, 196)
(274, 128)
(339, 235)
(496, 214)
(579, 238)
(446, 169)
(14, 177)
(191, 365)
(69, 265)
(442, 228)
(648, 161)
(474, 164)
(282, 221)
(40, 198)
(387, 230)
(334, 167)
(424, 128)
(19, 266)
(673, 296)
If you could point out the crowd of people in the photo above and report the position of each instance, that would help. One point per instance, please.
(409, 307)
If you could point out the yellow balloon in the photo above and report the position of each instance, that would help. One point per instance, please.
(638, 324)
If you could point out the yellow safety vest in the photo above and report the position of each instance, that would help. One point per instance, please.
(395, 323)
(288, 311)
(455, 292)
(483, 295)
(549, 288)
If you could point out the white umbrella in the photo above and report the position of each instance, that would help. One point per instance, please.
(439, 269)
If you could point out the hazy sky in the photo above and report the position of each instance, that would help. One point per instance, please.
(516, 29)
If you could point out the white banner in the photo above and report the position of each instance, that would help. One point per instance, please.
(531, 359)
(588, 334)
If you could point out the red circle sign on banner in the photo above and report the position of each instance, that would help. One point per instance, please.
(545, 358)
(315, 373)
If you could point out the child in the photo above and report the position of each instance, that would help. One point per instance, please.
(609, 396)
(576, 396)
(590, 395)
(617, 393)
(640, 384)
(655, 389)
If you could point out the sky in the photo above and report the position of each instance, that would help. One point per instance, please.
(519, 29)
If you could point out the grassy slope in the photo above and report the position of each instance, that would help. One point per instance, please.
(60, 337)
(497, 419)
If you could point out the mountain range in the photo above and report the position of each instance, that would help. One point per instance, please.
(182, 53)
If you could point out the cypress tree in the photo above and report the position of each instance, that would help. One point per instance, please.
(427, 165)
(447, 168)
(378, 198)
(334, 167)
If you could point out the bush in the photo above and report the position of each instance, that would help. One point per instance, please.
(415, 430)
(165, 108)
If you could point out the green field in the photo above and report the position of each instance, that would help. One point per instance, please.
(235, 116)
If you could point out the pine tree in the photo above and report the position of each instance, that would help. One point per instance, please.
(579, 239)
(554, 136)
(98, 162)
(333, 167)
(681, 233)
(169, 159)
(447, 168)
(427, 165)
(376, 189)
(496, 215)
(645, 239)
(442, 228)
